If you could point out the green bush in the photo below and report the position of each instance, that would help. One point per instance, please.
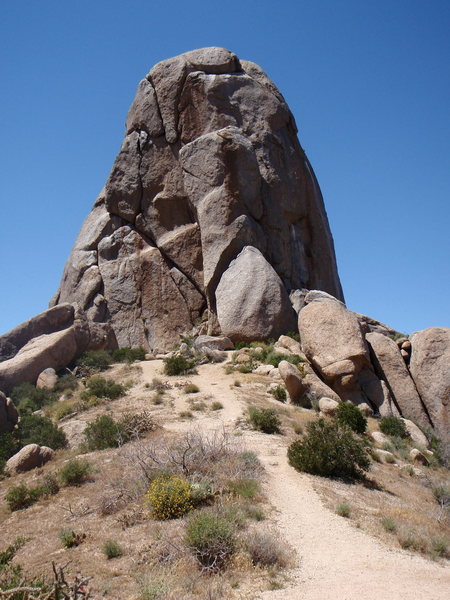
(348, 414)
(7, 555)
(104, 433)
(94, 361)
(34, 429)
(330, 450)
(111, 549)
(70, 539)
(75, 472)
(178, 365)
(393, 426)
(103, 388)
(169, 497)
(191, 388)
(29, 398)
(344, 510)
(245, 487)
(67, 382)
(211, 538)
(48, 486)
(128, 355)
(21, 496)
(279, 393)
(264, 419)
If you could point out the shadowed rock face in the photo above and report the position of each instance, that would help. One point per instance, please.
(210, 164)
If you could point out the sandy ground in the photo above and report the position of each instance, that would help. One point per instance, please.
(335, 559)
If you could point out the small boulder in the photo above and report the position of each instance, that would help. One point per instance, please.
(328, 406)
(379, 438)
(263, 369)
(284, 341)
(386, 456)
(366, 410)
(8, 414)
(47, 379)
(213, 343)
(418, 457)
(417, 435)
(30, 457)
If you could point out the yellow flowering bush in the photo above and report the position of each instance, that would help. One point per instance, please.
(168, 497)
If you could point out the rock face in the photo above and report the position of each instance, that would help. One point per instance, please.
(30, 457)
(430, 369)
(8, 414)
(210, 178)
(391, 367)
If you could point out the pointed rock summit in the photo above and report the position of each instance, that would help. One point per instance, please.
(211, 211)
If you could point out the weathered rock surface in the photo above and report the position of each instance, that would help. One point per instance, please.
(417, 435)
(328, 406)
(8, 414)
(430, 369)
(212, 343)
(47, 379)
(210, 164)
(303, 385)
(252, 302)
(51, 320)
(54, 350)
(29, 457)
(390, 367)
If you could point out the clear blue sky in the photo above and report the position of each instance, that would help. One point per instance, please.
(368, 83)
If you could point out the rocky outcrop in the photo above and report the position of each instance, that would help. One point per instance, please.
(49, 321)
(430, 369)
(251, 300)
(30, 457)
(9, 416)
(51, 350)
(210, 165)
(390, 367)
(303, 385)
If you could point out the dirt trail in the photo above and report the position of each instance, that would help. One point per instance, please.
(336, 560)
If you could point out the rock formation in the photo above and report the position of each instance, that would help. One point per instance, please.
(210, 195)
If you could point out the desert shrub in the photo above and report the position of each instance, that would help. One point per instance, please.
(104, 433)
(265, 549)
(329, 450)
(94, 361)
(128, 355)
(103, 388)
(440, 547)
(21, 496)
(48, 486)
(348, 414)
(29, 398)
(211, 538)
(344, 510)
(246, 367)
(441, 492)
(389, 524)
(185, 414)
(67, 382)
(298, 428)
(75, 471)
(168, 497)
(264, 419)
(178, 365)
(216, 405)
(393, 426)
(191, 388)
(254, 512)
(198, 406)
(279, 393)
(133, 425)
(111, 549)
(70, 539)
(35, 429)
(7, 555)
(245, 487)
(158, 398)
(9, 445)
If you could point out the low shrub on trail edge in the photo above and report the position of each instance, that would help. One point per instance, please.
(75, 471)
(210, 536)
(178, 365)
(330, 450)
(393, 426)
(264, 419)
(102, 388)
(169, 497)
(104, 433)
(348, 414)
